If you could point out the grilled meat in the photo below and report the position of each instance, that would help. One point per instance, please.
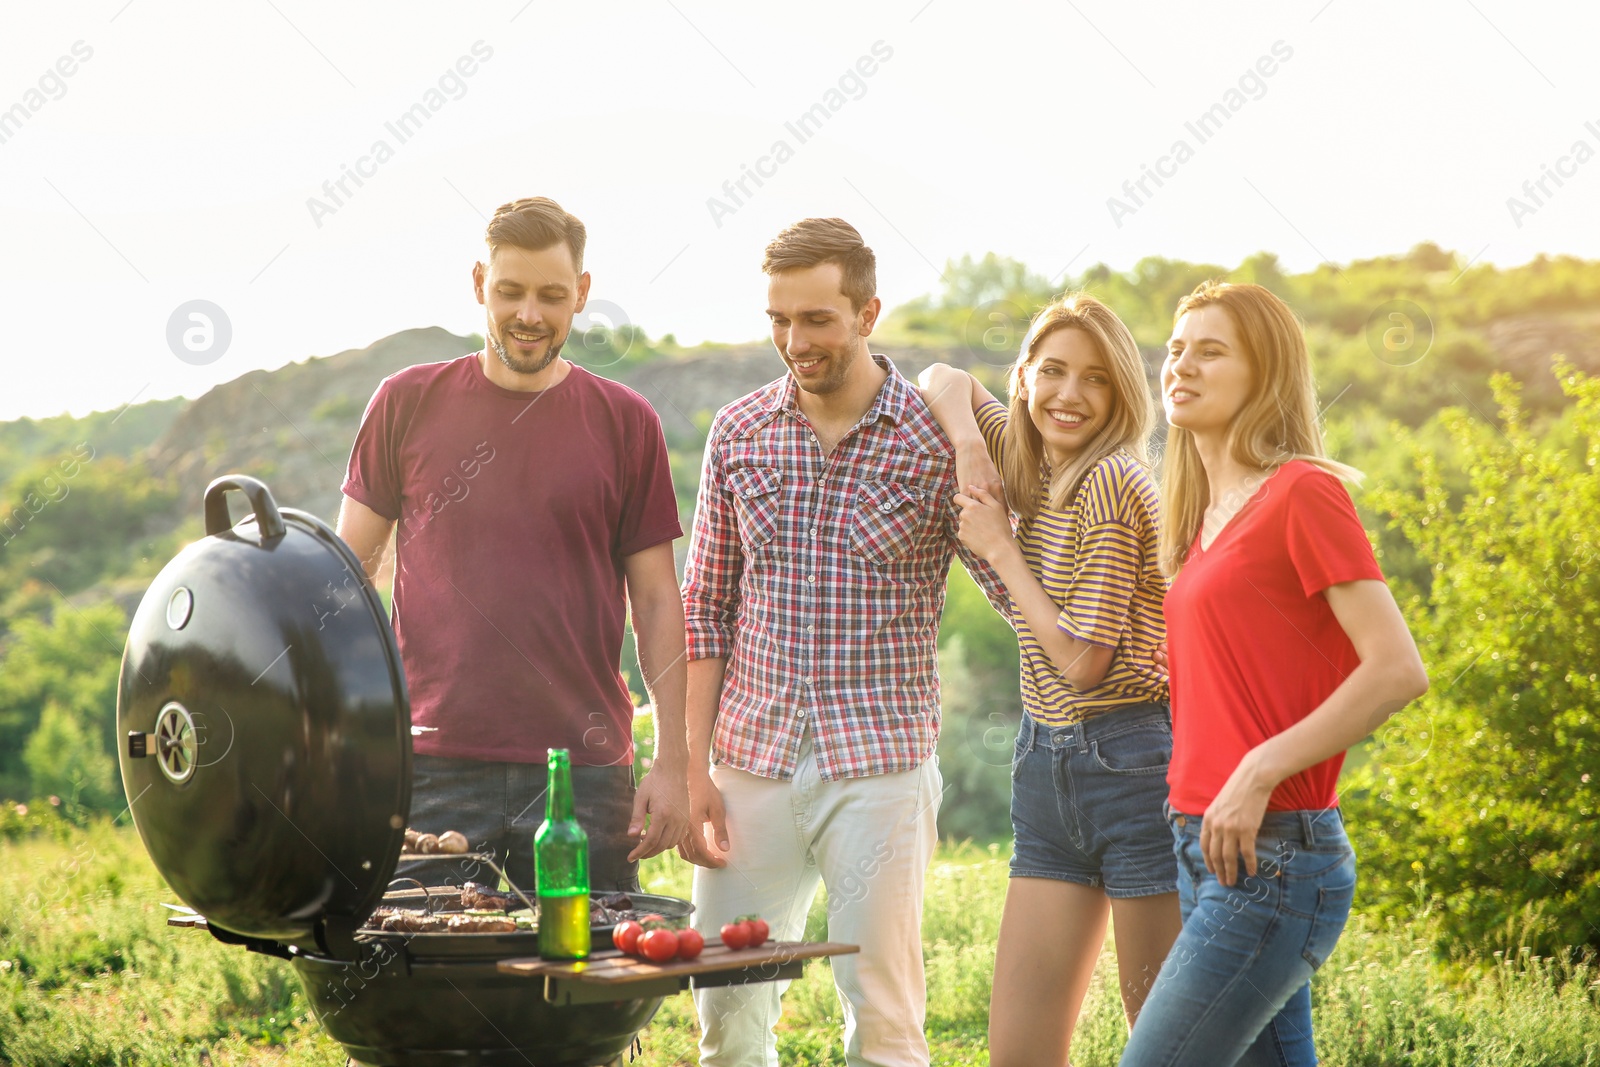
(478, 895)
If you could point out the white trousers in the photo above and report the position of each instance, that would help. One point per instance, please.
(869, 841)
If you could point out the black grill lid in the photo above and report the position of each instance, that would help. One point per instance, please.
(266, 733)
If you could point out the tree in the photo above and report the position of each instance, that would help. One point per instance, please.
(972, 282)
(1429, 257)
(66, 758)
(70, 520)
(1484, 793)
(981, 298)
(1263, 269)
(981, 708)
(58, 704)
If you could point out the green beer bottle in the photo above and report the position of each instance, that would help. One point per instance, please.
(561, 855)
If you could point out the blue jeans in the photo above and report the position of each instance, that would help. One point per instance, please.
(1236, 987)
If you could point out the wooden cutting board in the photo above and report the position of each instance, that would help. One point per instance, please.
(611, 974)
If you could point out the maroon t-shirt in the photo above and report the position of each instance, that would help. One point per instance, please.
(515, 512)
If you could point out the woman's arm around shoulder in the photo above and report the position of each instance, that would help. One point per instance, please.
(954, 396)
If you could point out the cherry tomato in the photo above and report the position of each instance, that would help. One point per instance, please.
(690, 942)
(735, 935)
(659, 944)
(758, 931)
(646, 920)
(626, 936)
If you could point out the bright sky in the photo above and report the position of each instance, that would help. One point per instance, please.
(154, 153)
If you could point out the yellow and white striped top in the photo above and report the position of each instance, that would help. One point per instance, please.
(1097, 559)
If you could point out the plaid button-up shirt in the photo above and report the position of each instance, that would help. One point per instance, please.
(821, 578)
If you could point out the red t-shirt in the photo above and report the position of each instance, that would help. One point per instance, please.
(1253, 646)
(514, 511)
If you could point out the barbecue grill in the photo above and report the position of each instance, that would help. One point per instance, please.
(267, 759)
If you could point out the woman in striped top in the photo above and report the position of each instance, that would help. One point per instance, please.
(1085, 586)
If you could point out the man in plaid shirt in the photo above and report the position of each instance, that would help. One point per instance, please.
(822, 537)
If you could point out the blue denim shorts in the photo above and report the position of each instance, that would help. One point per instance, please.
(1087, 800)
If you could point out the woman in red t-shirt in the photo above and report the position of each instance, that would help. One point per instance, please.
(1286, 648)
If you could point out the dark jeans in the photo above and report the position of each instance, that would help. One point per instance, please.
(499, 807)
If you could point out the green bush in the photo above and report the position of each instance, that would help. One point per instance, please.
(66, 757)
(1480, 799)
(981, 706)
(58, 707)
(1383, 999)
(39, 819)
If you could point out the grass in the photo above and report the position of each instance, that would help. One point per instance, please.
(90, 975)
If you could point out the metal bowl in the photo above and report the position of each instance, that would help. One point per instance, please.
(393, 1011)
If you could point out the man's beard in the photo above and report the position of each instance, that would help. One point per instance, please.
(531, 365)
(839, 364)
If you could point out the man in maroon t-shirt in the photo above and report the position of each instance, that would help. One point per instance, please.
(534, 505)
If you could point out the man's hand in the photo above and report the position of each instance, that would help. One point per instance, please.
(658, 629)
(706, 844)
(663, 796)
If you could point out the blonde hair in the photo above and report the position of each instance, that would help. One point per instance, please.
(813, 242)
(1128, 423)
(1278, 422)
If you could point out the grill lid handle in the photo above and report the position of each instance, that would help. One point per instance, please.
(268, 520)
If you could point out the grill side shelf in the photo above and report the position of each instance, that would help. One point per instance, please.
(606, 976)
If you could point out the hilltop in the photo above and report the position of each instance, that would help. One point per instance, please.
(293, 426)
